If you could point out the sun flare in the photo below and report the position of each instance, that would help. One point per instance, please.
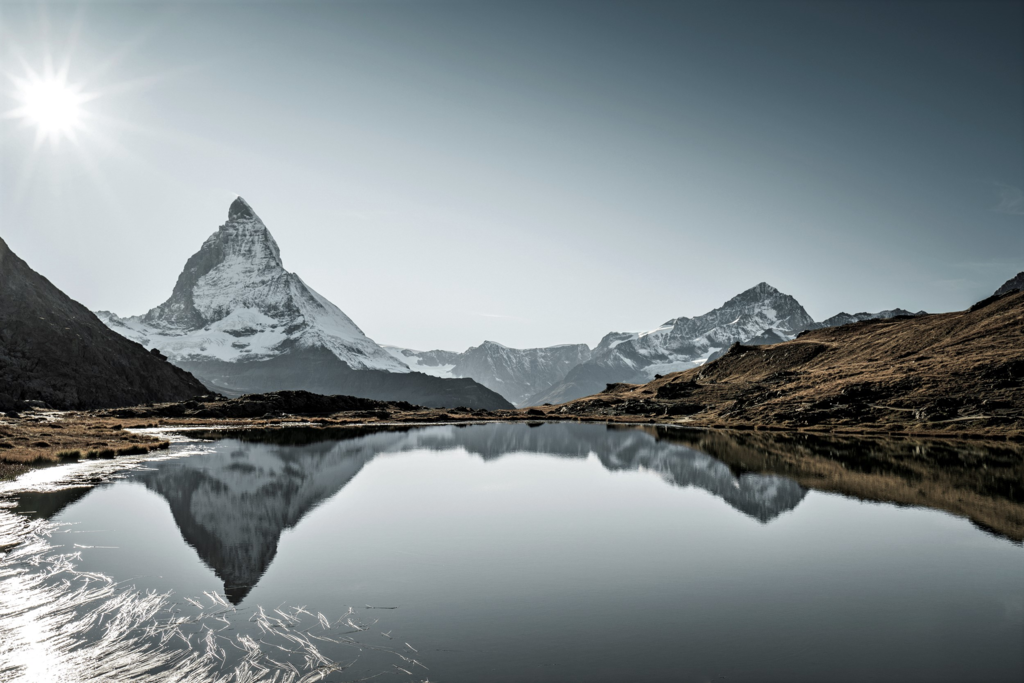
(52, 105)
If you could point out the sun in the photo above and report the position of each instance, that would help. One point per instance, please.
(51, 104)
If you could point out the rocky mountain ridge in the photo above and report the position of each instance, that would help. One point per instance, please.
(516, 374)
(761, 315)
(1014, 284)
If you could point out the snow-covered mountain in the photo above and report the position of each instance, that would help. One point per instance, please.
(681, 343)
(747, 315)
(516, 374)
(241, 323)
(759, 316)
(235, 301)
(561, 373)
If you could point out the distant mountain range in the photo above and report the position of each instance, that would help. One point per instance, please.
(761, 315)
(516, 374)
(241, 323)
(238, 322)
(54, 350)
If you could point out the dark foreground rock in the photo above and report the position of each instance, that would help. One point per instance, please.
(1014, 284)
(54, 350)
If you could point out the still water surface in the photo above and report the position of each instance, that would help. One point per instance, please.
(507, 552)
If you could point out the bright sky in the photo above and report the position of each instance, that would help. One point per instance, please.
(533, 173)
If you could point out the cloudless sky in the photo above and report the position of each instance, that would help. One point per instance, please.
(532, 173)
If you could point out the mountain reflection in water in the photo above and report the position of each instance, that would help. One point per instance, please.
(233, 504)
(576, 555)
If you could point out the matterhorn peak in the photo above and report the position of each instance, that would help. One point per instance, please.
(234, 301)
(240, 210)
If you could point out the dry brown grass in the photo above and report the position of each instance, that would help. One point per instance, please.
(43, 438)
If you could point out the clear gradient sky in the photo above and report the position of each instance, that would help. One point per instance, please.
(532, 173)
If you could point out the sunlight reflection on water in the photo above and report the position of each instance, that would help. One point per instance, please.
(58, 623)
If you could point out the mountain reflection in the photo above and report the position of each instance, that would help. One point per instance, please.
(233, 504)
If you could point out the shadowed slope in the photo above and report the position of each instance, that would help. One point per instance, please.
(55, 350)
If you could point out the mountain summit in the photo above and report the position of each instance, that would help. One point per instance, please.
(242, 323)
(234, 301)
(240, 209)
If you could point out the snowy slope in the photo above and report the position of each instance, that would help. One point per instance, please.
(234, 302)
(437, 363)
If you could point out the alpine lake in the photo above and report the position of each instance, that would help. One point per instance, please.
(490, 552)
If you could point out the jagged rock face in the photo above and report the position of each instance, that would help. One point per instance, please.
(1012, 285)
(234, 301)
(745, 316)
(681, 343)
(233, 505)
(516, 374)
(53, 349)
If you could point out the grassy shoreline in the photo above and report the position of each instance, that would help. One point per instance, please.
(966, 473)
(50, 437)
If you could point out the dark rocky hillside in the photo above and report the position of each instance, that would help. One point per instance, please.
(53, 349)
(1014, 284)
